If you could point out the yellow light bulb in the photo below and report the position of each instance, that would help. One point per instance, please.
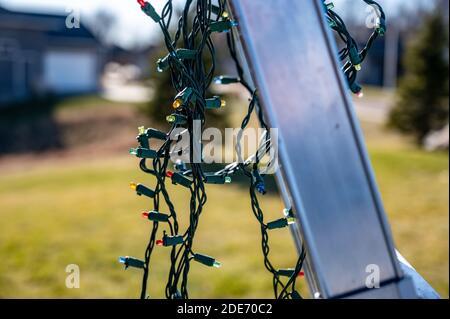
(225, 15)
(133, 186)
(290, 220)
(358, 67)
(177, 104)
(141, 130)
(223, 103)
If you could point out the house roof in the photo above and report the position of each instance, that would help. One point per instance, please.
(51, 24)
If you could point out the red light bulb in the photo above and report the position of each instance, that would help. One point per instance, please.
(142, 3)
(301, 274)
(169, 174)
(159, 242)
(145, 215)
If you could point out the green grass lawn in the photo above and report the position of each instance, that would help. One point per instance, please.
(84, 213)
(60, 212)
(414, 187)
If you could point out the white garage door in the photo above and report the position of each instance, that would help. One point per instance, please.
(70, 72)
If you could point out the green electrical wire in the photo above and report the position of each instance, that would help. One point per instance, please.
(187, 48)
(351, 55)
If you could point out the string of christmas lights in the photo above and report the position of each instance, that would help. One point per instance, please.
(191, 77)
(351, 56)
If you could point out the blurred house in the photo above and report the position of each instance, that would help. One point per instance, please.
(40, 55)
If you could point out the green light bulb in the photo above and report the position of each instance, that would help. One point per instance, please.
(171, 119)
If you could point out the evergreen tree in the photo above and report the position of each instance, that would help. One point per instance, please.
(423, 104)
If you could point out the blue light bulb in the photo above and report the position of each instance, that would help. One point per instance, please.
(261, 188)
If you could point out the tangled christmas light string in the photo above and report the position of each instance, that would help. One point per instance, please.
(187, 48)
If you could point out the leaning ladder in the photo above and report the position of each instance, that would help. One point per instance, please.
(326, 175)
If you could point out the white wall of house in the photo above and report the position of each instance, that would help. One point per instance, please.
(67, 72)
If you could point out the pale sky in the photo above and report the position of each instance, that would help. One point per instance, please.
(134, 27)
